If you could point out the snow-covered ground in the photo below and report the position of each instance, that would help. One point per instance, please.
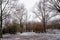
(33, 36)
(28, 34)
(53, 31)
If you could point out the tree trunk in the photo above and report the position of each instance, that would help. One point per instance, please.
(1, 25)
(44, 25)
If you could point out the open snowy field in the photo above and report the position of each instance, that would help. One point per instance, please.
(33, 36)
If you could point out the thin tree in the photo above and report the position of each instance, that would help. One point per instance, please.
(0, 20)
(3, 14)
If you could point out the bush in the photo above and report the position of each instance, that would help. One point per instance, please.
(36, 27)
(20, 29)
(12, 28)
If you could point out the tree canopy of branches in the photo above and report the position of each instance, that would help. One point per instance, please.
(20, 13)
(46, 10)
(5, 6)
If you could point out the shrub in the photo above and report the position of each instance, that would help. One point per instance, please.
(12, 28)
(36, 27)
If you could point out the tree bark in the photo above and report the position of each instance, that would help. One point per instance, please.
(1, 24)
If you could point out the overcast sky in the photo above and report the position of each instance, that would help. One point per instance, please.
(29, 4)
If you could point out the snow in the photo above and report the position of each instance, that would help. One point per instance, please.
(33, 36)
(28, 33)
(55, 31)
(18, 33)
(40, 36)
(7, 35)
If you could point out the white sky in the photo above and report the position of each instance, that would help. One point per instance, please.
(29, 4)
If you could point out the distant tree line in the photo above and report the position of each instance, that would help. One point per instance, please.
(37, 27)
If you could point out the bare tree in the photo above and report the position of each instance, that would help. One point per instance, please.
(5, 6)
(19, 13)
(2, 14)
(7, 9)
(45, 11)
(40, 13)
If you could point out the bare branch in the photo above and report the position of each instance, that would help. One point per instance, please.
(37, 15)
(5, 16)
(5, 5)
